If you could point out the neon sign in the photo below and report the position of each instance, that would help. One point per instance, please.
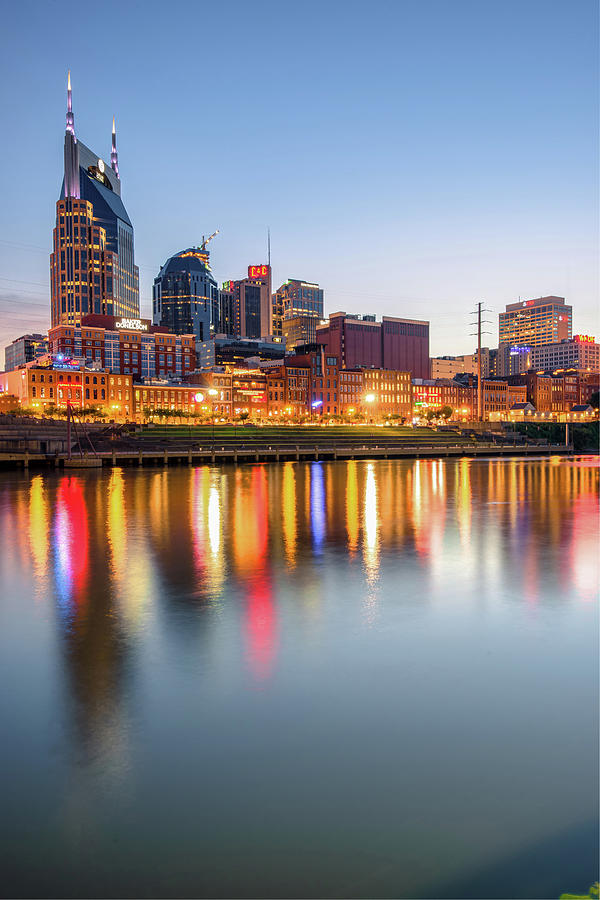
(132, 324)
(258, 271)
(584, 339)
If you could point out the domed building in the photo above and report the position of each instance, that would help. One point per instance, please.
(185, 295)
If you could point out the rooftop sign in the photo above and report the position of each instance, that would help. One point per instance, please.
(131, 325)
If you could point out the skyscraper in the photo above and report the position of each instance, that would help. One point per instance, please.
(301, 301)
(185, 295)
(92, 267)
(546, 320)
(252, 312)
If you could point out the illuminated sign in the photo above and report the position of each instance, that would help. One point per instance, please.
(64, 362)
(514, 351)
(258, 271)
(199, 398)
(584, 339)
(132, 324)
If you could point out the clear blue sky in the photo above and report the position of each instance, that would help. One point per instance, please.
(411, 156)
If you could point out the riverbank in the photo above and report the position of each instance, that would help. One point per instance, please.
(46, 444)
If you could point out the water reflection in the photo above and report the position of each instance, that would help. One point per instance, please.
(194, 611)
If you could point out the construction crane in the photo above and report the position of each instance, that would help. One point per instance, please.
(207, 240)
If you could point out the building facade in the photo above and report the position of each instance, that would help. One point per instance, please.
(24, 349)
(395, 344)
(581, 352)
(232, 351)
(251, 314)
(185, 295)
(92, 268)
(533, 323)
(128, 346)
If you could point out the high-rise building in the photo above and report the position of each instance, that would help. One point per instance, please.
(185, 295)
(299, 300)
(582, 353)
(24, 349)
(251, 303)
(398, 344)
(92, 267)
(531, 323)
(300, 330)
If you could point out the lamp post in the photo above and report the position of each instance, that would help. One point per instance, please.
(213, 393)
(369, 398)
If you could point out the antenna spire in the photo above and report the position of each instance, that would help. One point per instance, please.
(70, 116)
(269, 245)
(114, 158)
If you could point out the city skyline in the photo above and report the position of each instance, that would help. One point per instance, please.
(489, 213)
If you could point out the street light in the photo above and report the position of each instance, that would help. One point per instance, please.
(369, 398)
(213, 393)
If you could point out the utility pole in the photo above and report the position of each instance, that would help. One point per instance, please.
(479, 332)
(479, 391)
(68, 429)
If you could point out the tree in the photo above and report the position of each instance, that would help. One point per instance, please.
(595, 399)
(446, 411)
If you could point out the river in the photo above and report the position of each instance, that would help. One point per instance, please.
(345, 679)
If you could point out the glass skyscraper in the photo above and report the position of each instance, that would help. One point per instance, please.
(92, 268)
(185, 295)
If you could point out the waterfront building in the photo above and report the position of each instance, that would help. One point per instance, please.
(249, 392)
(581, 352)
(216, 385)
(92, 268)
(533, 323)
(185, 295)
(55, 381)
(24, 349)
(351, 392)
(386, 393)
(288, 388)
(395, 344)
(231, 351)
(125, 345)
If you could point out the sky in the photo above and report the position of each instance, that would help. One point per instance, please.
(413, 157)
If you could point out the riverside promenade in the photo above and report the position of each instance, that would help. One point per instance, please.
(45, 443)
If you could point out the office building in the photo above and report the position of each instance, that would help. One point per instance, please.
(449, 366)
(185, 295)
(296, 299)
(231, 351)
(397, 344)
(92, 268)
(129, 346)
(300, 330)
(512, 360)
(532, 323)
(24, 349)
(246, 304)
(581, 353)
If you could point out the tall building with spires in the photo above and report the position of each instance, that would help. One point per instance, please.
(92, 268)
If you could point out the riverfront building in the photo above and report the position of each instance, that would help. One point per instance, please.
(92, 268)
(533, 323)
(128, 346)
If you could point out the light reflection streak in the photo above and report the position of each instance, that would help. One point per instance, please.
(289, 513)
(317, 506)
(38, 526)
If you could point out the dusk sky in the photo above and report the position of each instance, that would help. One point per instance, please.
(410, 157)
